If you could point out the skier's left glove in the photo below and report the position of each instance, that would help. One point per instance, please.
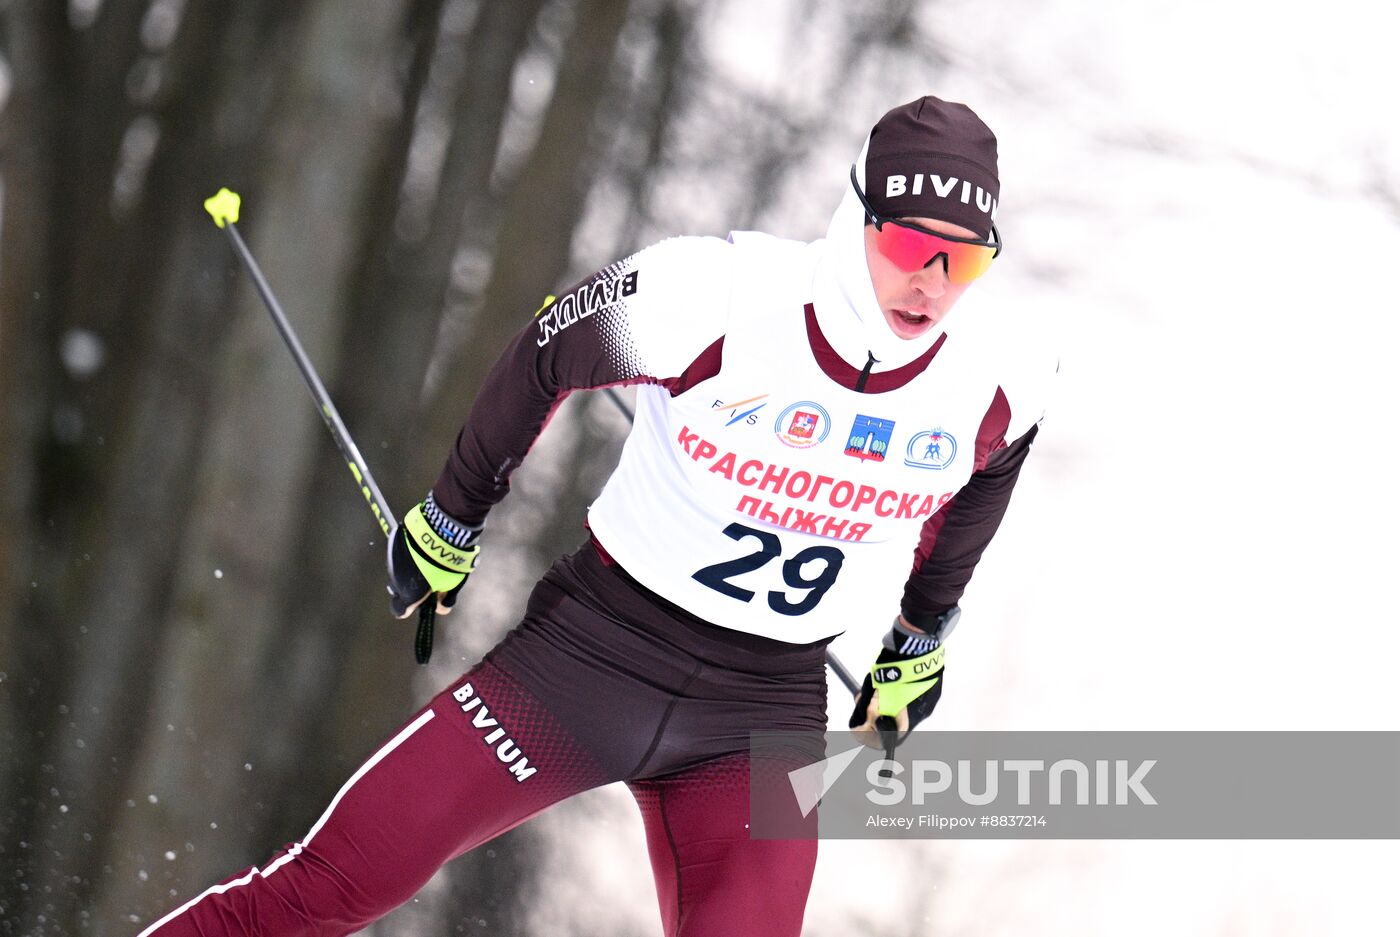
(430, 554)
(905, 683)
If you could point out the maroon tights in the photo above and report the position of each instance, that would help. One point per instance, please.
(487, 754)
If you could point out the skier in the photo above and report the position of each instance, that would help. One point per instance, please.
(722, 556)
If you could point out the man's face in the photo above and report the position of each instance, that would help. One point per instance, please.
(913, 303)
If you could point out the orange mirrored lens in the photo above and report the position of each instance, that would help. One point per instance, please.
(911, 250)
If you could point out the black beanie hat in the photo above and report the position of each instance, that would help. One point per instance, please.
(933, 159)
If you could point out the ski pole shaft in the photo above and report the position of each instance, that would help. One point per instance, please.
(832, 660)
(842, 673)
(223, 208)
(889, 738)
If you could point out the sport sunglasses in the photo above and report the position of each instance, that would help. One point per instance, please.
(910, 247)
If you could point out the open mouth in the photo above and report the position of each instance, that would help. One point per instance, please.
(910, 318)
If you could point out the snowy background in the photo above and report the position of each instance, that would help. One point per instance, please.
(1201, 203)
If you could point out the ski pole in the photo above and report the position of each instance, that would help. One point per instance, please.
(842, 673)
(832, 660)
(223, 208)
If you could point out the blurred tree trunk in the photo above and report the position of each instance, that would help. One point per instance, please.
(639, 117)
(531, 253)
(264, 435)
(35, 158)
(341, 682)
(541, 210)
(114, 482)
(25, 154)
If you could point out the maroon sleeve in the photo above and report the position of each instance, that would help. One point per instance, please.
(954, 538)
(562, 349)
(581, 340)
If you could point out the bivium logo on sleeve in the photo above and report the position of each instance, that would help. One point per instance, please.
(600, 294)
(802, 425)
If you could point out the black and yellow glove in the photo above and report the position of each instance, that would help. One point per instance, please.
(431, 554)
(904, 684)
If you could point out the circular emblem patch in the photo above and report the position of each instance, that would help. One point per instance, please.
(802, 425)
(931, 449)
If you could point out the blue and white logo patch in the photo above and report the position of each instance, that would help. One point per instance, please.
(931, 449)
(869, 438)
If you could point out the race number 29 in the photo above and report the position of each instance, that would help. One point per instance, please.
(770, 548)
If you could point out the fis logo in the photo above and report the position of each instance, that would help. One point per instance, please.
(742, 411)
(507, 752)
(869, 438)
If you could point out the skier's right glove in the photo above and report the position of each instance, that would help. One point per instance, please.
(430, 554)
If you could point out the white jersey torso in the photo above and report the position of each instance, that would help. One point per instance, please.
(770, 499)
